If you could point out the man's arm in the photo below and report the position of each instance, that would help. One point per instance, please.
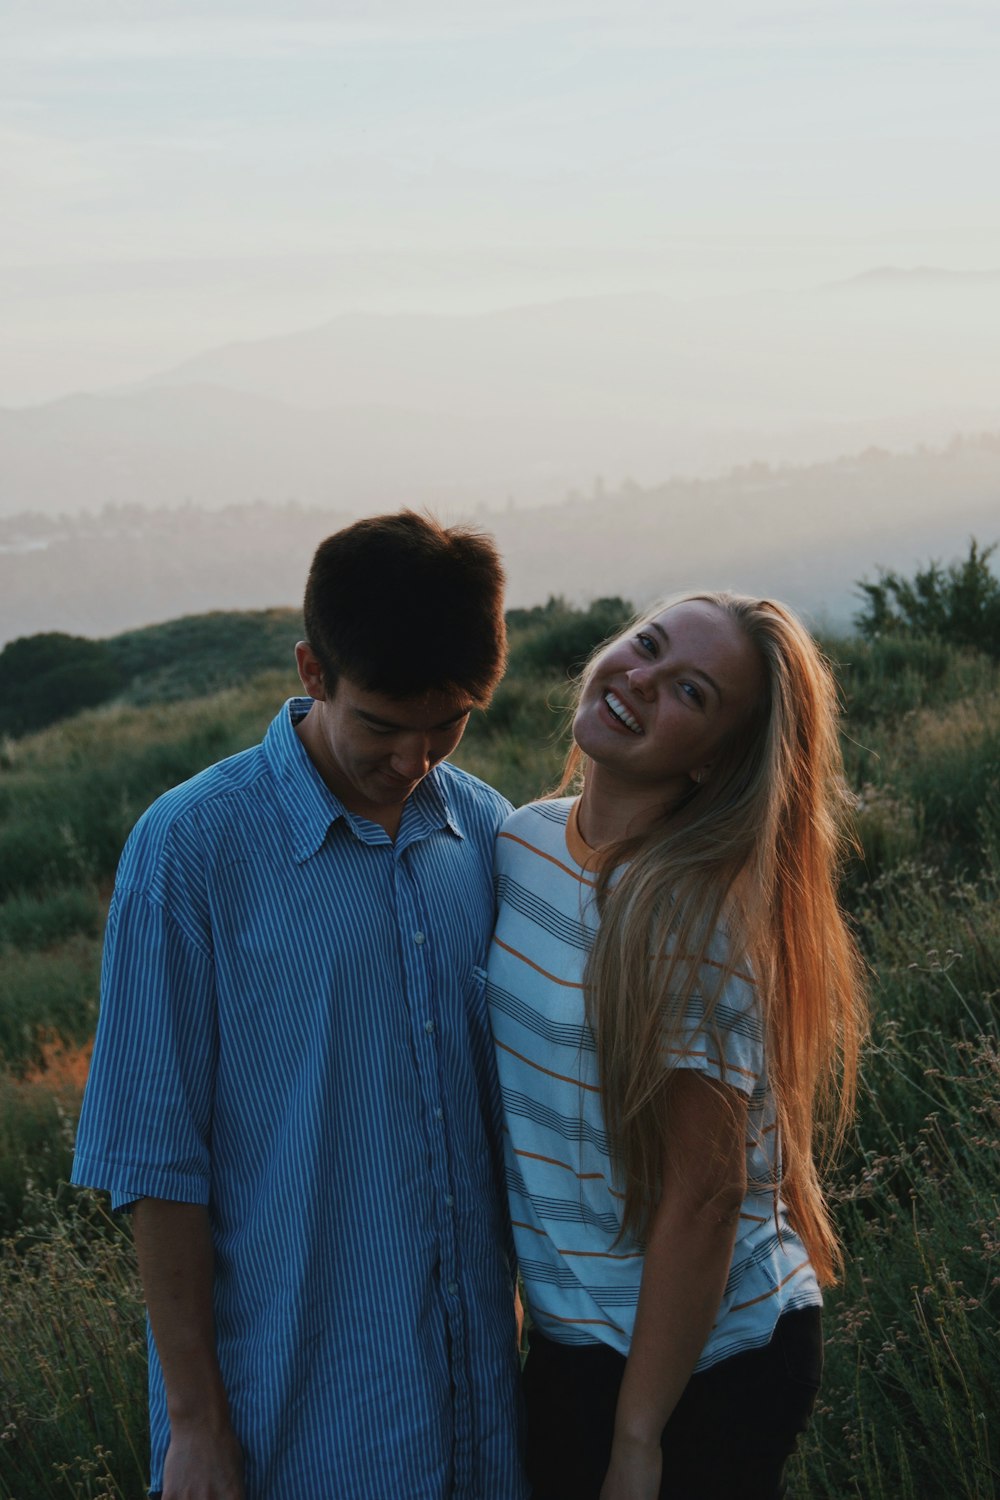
(687, 1259)
(174, 1248)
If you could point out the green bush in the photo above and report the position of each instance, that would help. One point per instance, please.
(518, 745)
(959, 603)
(45, 995)
(883, 679)
(36, 1149)
(43, 921)
(71, 797)
(46, 677)
(207, 653)
(554, 638)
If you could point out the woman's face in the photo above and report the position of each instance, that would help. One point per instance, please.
(659, 702)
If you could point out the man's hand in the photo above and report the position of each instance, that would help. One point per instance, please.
(202, 1464)
(634, 1472)
(174, 1244)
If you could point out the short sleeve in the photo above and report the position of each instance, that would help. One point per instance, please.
(721, 1032)
(146, 1120)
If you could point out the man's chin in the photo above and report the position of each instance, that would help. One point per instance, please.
(393, 788)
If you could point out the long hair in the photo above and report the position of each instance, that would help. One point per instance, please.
(753, 853)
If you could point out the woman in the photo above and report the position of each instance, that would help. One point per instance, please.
(675, 998)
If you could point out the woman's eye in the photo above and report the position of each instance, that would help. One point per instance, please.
(646, 642)
(693, 692)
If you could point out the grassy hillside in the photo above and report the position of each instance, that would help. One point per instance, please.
(913, 1360)
(47, 678)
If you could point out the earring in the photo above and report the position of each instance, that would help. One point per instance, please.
(697, 778)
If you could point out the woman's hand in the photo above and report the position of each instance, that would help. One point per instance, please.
(688, 1253)
(635, 1471)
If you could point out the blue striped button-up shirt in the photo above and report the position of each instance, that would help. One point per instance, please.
(294, 1033)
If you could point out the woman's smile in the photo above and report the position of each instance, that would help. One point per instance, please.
(621, 713)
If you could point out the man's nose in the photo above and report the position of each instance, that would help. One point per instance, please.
(412, 759)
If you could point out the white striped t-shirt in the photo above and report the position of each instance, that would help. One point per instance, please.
(565, 1199)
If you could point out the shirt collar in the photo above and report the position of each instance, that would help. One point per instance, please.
(312, 808)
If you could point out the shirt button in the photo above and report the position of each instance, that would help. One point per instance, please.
(439, 1113)
(449, 1201)
(418, 937)
(453, 1287)
(428, 1026)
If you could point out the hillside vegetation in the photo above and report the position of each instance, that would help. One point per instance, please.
(913, 1359)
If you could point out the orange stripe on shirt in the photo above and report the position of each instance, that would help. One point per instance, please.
(586, 1254)
(540, 1312)
(602, 1255)
(553, 1162)
(739, 1306)
(565, 1167)
(723, 1066)
(520, 1224)
(567, 984)
(686, 958)
(550, 857)
(592, 1088)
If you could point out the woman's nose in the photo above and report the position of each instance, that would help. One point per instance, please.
(642, 680)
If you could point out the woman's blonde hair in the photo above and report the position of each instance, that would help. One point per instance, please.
(752, 853)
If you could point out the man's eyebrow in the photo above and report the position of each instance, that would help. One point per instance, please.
(695, 671)
(375, 722)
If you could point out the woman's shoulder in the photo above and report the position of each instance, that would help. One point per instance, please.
(548, 812)
(539, 826)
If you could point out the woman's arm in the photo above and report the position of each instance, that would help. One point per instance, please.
(688, 1254)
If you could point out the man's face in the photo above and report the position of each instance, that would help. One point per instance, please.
(371, 750)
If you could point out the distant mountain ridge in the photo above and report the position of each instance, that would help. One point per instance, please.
(804, 533)
(370, 411)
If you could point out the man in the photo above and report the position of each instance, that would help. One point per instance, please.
(293, 1079)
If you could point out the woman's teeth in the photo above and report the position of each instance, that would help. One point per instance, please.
(621, 713)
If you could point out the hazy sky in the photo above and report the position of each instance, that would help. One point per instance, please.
(176, 174)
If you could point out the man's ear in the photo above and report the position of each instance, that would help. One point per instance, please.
(310, 671)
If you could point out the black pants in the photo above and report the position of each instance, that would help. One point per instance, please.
(730, 1434)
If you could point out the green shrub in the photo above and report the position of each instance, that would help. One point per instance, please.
(45, 995)
(959, 603)
(556, 639)
(71, 796)
(44, 921)
(36, 1148)
(951, 769)
(46, 677)
(929, 785)
(884, 678)
(207, 653)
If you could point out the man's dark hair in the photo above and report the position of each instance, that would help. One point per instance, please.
(403, 606)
